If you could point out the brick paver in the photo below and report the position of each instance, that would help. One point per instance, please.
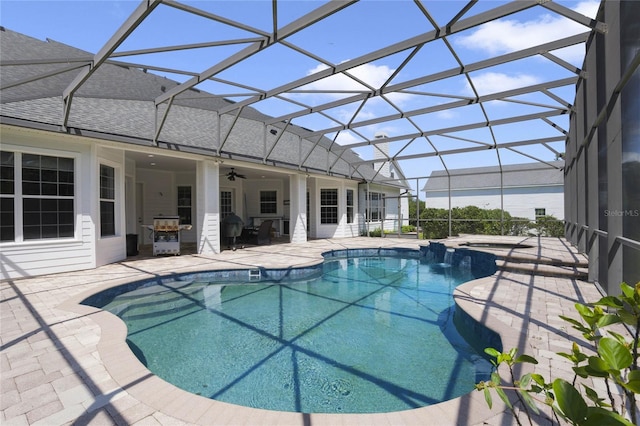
(61, 363)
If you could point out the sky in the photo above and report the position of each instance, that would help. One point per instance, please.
(359, 29)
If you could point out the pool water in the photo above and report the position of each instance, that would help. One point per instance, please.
(369, 334)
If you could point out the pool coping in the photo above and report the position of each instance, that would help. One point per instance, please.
(133, 377)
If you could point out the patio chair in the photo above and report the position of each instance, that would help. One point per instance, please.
(264, 233)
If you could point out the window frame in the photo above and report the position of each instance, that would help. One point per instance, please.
(350, 203)
(107, 199)
(329, 206)
(224, 211)
(19, 196)
(185, 207)
(272, 204)
(8, 199)
(378, 208)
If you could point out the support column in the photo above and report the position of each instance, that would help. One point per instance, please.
(208, 209)
(298, 206)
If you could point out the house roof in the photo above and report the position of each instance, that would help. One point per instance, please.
(117, 103)
(336, 77)
(514, 175)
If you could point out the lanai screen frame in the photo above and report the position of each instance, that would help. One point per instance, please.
(464, 19)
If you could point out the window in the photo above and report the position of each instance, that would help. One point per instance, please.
(226, 206)
(349, 205)
(540, 213)
(47, 197)
(7, 196)
(184, 205)
(328, 206)
(107, 201)
(375, 206)
(268, 202)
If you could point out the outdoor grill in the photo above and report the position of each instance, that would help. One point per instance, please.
(166, 235)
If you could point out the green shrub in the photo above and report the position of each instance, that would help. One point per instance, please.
(549, 226)
(408, 228)
(376, 233)
(615, 361)
(471, 220)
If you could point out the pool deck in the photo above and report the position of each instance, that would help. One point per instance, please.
(62, 363)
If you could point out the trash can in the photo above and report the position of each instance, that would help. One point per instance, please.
(132, 244)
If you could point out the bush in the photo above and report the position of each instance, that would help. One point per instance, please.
(615, 362)
(375, 233)
(471, 220)
(408, 228)
(549, 226)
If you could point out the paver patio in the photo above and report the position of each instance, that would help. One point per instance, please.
(63, 363)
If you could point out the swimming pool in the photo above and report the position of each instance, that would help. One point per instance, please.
(355, 335)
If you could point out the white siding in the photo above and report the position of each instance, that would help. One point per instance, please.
(251, 192)
(208, 216)
(30, 258)
(159, 196)
(520, 202)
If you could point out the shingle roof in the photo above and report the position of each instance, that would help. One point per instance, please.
(514, 175)
(117, 102)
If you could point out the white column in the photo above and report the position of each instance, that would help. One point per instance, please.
(298, 206)
(208, 209)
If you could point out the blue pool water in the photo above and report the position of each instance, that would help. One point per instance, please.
(363, 334)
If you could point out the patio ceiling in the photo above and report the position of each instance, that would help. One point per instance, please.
(416, 72)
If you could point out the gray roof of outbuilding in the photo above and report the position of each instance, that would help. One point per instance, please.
(514, 175)
(117, 102)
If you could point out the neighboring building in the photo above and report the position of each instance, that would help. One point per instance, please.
(85, 166)
(525, 190)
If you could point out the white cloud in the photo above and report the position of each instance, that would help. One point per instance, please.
(588, 8)
(347, 138)
(508, 35)
(446, 114)
(370, 74)
(492, 82)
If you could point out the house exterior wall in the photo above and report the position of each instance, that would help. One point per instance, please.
(208, 214)
(342, 229)
(520, 202)
(252, 189)
(158, 196)
(143, 192)
(37, 257)
(110, 248)
(391, 201)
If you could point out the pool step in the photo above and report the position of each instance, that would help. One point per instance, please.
(577, 271)
(579, 260)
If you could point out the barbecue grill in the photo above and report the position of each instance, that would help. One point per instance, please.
(166, 234)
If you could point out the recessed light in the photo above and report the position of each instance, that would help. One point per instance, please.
(153, 164)
(150, 155)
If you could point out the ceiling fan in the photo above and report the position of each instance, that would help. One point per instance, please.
(232, 175)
